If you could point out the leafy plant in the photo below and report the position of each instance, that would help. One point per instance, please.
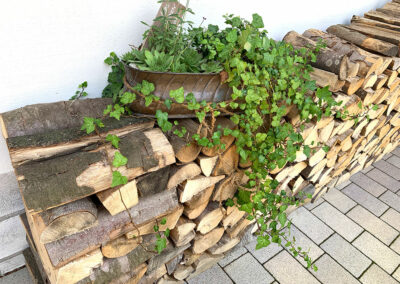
(81, 92)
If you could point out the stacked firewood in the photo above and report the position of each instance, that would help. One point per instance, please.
(83, 231)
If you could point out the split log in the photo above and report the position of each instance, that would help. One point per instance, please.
(115, 199)
(227, 163)
(185, 148)
(352, 104)
(179, 174)
(380, 82)
(234, 215)
(239, 228)
(382, 17)
(324, 78)
(166, 279)
(207, 164)
(392, 75)
(227, 140)
(325, 133)
(368, 96)
(110, 227)
(327, 59)
(151, 277)
(316, 158)
(227, 188)
(183, 271)
(383, 95)
(382, 34)
(370, 81)
(183, 232)
(291, 171)
(368, 43)
(189, 257)
(200, 198)
(173, 263)
(165, 256)
(120, 246)
(154, 182)
(87, 172)
(205, 261)
(225, 244)
(352, 85)
(204, 242)
(194, 186)
(193, 213)
(67, 220)
(209, 218)
(374, 23)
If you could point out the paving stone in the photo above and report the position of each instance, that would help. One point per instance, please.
(18, 277)
(264, 254)
(337, 221)
(12, 238)
(365, 199)
(310, 225)
(311, 206)
(339, 200)
(10, 201)
(392, 217)
(368, 184)
(213, 275)
(347, 255)
(367, 169)
(287, 270)
(246, 270)
(388, 168)
(375, 275)
(391, 199)
(387, 156)
(12, 264)
(396, 152)
(304, 242)
(373, 224)
(384, 179)
(378, 252)
(235, 253)
(394, 160)
(343, 184)
(396, 245)
(396, 275)
(330, 272)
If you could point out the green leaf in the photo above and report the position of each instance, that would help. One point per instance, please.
(163, 221)
(232, 36)
(162, 120)
(375, 107)
(156, 228)
(167, 232)
(257, 21)
(262, 242)
(119, 160)
(178, 95)
(161, 244)
(88, 124)
(128, 98)
(282, 218)
(307, 151)
(229, 202)
(168, 103)
(147, 88)
(114, 139)
(118, 179)
(200, 116)
(326, 148)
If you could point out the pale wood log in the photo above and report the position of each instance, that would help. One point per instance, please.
(227, 163)
(148, 228)
(383, 95)
(374, 23)
(380, 82)
(225, 244)
(291, 171)
(370, 81)
(203, 242)
(209, 218)
(382, 17)
(352, 104)
(189, 257)
(112, 201)
(323, 122)
(179, 174)
(185, 148)
(382, 34)
(348, 124)
(183, 232)
(368, 96)
(392, 75)
(87, 172)
(316, 157)
(381, 132)
(227, 140)
(120, 246)
(192, 187)
(324, 78)
(327, 59)
(201, 197)
(394, 85)
(239, 228)
(227, 188)
(325, 133)
(309, 172)
(193, 213)
(373, 114)
(203, 263)
(299, 185)
(110, 227)
(352, 85)
(234, 215)
(207, 164)
(67, 220)
(166, 279)
(165, 256)
(183, 271)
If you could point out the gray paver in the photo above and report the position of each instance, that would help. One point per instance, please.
(10, 201)
(378, 252)
(388, 168)
(330, 272)
(314, 228)
(347, 255)
(394, 160)
(387, 156)
(375, 275)
(311, 206)
(246, 270)
(368, 184)
(396, 245)
(287, 270)
(392, 217)
(367, 169)
(339, 200)
(365, 199)
(19, 277)
(391, 199)
(235, 253)
(384, 179)
(337, 221)
(343, 184)
(307, 244)
(213, 275)
(12, 264)
(264, 254)
(373, 224)
(396, 152)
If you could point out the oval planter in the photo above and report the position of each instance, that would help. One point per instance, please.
(204, 86)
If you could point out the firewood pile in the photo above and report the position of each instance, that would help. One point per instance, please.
(83, 231)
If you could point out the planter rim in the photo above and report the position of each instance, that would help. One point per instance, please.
(133, 66)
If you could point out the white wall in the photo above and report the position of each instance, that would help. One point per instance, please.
(48, 47)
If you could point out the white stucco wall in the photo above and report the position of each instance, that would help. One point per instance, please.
(48, 47)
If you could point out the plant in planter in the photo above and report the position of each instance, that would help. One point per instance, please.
(265, 77)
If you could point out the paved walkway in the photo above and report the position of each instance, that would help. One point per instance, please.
(352, 233)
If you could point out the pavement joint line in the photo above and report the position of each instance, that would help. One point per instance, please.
(345, 213)
(223, 269)
(395, 239)
(398, 267)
